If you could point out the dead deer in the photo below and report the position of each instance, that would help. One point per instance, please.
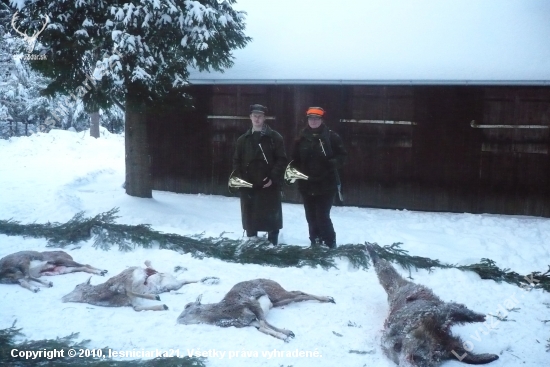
(26, 266)
(246, 304)
(417, 331)
(128, 288)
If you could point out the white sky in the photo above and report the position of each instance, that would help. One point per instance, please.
(51, 177)
(392, 41)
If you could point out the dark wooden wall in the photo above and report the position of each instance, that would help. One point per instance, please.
(443, 154)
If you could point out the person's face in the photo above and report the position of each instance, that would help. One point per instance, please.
(257, 119)
(314, 121)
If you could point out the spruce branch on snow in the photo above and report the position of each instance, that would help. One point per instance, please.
(64, 344)
(106, 233)
(486, 269)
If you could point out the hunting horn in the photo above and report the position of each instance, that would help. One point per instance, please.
(235, 183)
(292, 174)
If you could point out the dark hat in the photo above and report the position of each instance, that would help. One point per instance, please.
(258, 108)
(315, 111)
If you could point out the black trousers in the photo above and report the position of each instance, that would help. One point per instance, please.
(317, 208)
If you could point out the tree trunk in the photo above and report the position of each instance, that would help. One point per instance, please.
(94, 125)
(138, 160)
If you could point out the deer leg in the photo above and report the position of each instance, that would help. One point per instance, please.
(267, 330)
(479, 358)
(151, 308)
(46, 283)
(288, 333)
(298, 296)
(457, 313)
(87, 269)
(63, 269)
(154, 297)
(25, 284)
(255, 307)
(71, 266)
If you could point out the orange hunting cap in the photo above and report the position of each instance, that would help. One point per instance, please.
(315, 111)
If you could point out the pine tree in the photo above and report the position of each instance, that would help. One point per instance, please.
(133, 53)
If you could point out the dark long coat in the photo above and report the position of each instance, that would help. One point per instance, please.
(317, 154)
(261, 208)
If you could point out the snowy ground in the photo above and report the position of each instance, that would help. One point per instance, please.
(51, 177)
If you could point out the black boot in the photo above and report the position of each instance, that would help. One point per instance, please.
(315, 241)
(331, 243)
(273, 237)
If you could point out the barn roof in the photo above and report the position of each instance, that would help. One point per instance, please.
(391, 42)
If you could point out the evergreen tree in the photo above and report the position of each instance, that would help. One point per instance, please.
(136, 52)
(21, 106)
(24, 108)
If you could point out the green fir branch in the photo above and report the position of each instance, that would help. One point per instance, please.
(486, 268)
(396, 254)
(106, 233)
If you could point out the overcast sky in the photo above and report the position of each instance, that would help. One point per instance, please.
(394, 40)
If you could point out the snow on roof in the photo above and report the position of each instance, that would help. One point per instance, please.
(391, 42)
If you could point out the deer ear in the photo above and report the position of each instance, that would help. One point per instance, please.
(199, 298)
(88, 282)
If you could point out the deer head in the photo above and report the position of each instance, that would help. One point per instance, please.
(79, 293)
(31, 40)
(193, 313)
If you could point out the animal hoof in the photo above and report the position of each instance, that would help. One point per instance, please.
(331, 300)
(157, 297)
(291, 334)
(50, 284)
(36, 290)
(103, 272)
(165, 307)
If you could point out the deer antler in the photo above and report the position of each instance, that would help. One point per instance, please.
(43, 27)
(13, 19)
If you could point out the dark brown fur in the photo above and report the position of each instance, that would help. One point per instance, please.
(417, 331)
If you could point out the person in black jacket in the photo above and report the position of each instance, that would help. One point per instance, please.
(260, 159)
(318, 153)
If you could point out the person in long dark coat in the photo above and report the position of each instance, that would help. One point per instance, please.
(260, 159)
(318, 153)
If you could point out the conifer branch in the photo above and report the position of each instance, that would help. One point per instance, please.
(106, 233)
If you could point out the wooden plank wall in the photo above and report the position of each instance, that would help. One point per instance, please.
(433, 159)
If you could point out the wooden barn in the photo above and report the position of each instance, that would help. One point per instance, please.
(449, 112)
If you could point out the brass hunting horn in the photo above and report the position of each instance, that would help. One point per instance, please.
(236, 183)
(292, 174)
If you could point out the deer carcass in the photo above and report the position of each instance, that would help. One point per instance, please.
(128, 288)
(417, 331)
(246, 304)
(26, 266)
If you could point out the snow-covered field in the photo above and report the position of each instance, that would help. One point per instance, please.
(51, 177)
